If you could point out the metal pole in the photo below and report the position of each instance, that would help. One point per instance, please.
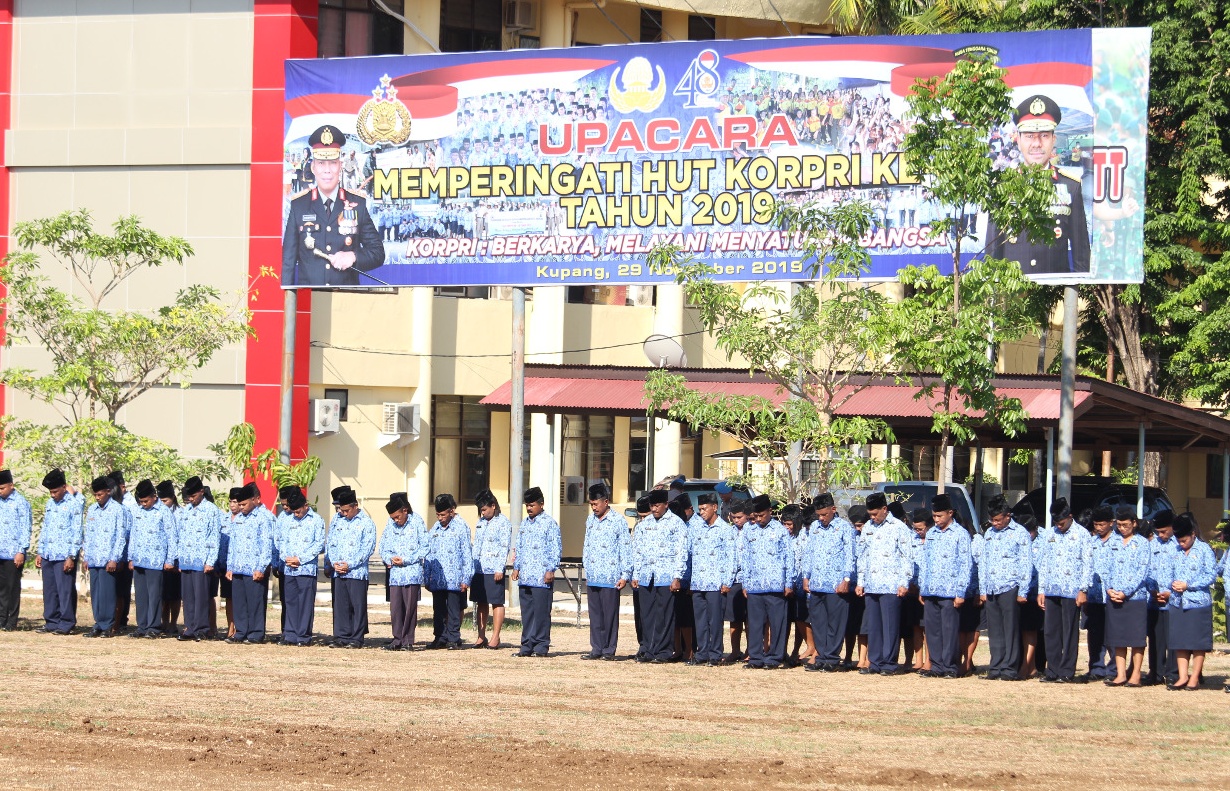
(290, 309)
(978, 470)
(649, 450)
(1140, 471)
(1067, 394)
(1225, 484)
(516, 441)
(1050, 473)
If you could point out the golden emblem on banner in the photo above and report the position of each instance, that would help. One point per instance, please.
(1037, 107)
(636, 93)
(383, 118)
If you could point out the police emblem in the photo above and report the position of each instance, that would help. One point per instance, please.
(1037, 106)
(636, 93)
(383, 118)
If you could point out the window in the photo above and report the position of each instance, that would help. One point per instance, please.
(651, 24)
(460, 446)
(702, 28)
(471, 25)
(638, 455)
(358, 27)
(343, 398)
(1213, 472)
(589, 448)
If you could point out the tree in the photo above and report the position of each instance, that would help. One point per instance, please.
(239, 452)
(811, 343)
(950, 326)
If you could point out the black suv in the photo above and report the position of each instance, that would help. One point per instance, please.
(1091, 492)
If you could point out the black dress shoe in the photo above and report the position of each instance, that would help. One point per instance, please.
(253, 641)
(1048, 679)
(522, 654)
(865, 671)
(607, 658)
(812, 667)
(232, 641)
(542, 655)
(591, 656)
(184, 637)
(693, 662)
(992, 675)
(753, 666)
(949, 674)
(136, 635)
(435, 645)
(390, 647)
(656, 661)
(93, 633)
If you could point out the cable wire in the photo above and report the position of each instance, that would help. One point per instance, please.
(395, 353)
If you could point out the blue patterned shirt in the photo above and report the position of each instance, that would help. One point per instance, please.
(713, 550)
(303, 539)
(766, 556)
(1007, 561)
(1065, 561)
(106, 534)
(408, 542)
(151, 544)
(351, 541)
(60, 537)
(538, 550)
(1161, 555)
(492, 540)
(947, 562)
(449, 565)
(1127, 567)
(828, 556)
(607, 554)
(250, 549)
(200, 536)
(1101, 557)
(884, 559)
(1198, 568)
(659, 550)
(15, 524)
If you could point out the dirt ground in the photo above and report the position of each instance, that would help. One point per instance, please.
(129, 714)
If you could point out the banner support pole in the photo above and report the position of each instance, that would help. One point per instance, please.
(516, 433)
(1067, 395)
(290, 310)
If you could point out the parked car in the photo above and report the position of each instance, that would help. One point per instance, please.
(1094, 491)
(914, 494)
(694, 487)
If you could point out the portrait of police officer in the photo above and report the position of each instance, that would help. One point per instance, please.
(330, 237)
(1068, 250)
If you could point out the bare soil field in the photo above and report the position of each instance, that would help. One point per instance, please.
(124, 713)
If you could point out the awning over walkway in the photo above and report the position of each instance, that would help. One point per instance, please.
(1108, 416)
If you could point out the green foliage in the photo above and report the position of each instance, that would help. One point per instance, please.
(239, 452)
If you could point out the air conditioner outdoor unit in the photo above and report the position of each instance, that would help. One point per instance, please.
(573, 489)
(519, 14)
(401, 419)
(326, 415)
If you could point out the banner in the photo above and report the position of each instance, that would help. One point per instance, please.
(566, 167)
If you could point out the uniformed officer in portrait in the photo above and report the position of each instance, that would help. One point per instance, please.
(1036, 119)
(329, 236)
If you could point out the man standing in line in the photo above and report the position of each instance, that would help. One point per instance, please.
(450, 567)
(885, 566)
(828, 570)
(198, 547)
(1065, 572)
(15, 525)
(1163, 664)
(659, 559)
(1100, 668)
(403, 548)
(123, 574)
(492, 540)
(106, 541)
(301, 539)
(712, 549)
(151, 552)
(736, 602)
(1004, 576)
(349, 547)
(248, 559)
(536, 559)
(59, 543)
(944, 575)
(766, 557)
(172, 587)
(607, 558)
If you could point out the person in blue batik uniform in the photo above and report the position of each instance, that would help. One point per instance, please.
(1065, 572)
(736, 602)
(766, 558)
(537, 558)
(659, 561)
(59, 542)
(15, 528)
(1003, 581)
(1189, 577)
(943, 579)
(1163, 665)
(301, 539)
(249, 555)
(1127, 594)
(492, 541)
(198, 548)
(828, 569)
(403, 549)
(172, 590)
(884, 567)
(123, 574)
(913, 637)
(1101, 659)
(685, 619)
(450, 568)
(106, 540)
(802, 649)
(151, 552)
(607, 558)
(712, 549)
(351, 541)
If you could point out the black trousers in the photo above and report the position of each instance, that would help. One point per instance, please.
(709, 609)
(349, 611)
(298, 607)
(404, 612)
(942, 624)
(10, 593)
(1061, 625)
(123, 594)
(446, 610)
(828, 614)
(535, 619)
(1095, 637)
(657, 622)
(59, 596)
(148, 583)
(248, 604)
(636, 616)
(603, 620)
(1163, 663)
(766, 610)
(102, 597)
(1004, 632)
(194, 587)
(883, 619)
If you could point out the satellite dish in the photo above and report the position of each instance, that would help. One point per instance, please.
(665, 352)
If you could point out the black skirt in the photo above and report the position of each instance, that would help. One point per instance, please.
(736, 604)
(1031, 615)
(969, 615)
(685, 615)
(796, 606)
(911, 614)
(1126, 624)
(172, 589)
(1190, 630)
(485, 590)
(854, 621)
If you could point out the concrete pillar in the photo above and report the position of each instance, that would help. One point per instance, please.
(425, 14)
(668, 320)
(417, 458)
(554, 24)
(543, 342)
(674, 25)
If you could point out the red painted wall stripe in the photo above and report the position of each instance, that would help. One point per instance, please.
(6, 100)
